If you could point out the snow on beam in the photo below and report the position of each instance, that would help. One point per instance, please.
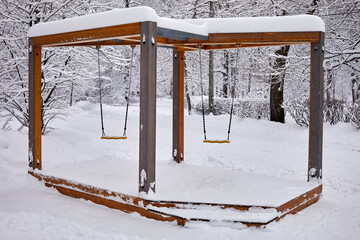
(175, 28)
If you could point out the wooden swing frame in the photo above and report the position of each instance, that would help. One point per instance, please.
(142, 33)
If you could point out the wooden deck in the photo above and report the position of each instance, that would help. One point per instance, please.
(183, 211)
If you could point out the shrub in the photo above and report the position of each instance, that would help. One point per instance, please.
(244, 108)
(335, 111)
(298, 110)
(354, 114)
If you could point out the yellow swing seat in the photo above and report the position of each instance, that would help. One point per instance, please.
(216, 141)
(113, 137)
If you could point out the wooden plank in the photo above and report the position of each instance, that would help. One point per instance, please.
(316, 109)
(247, 45)
(181, 204)
(294, 203)
(35, 106)
(109, 41)
(125, 207)
(300, 207)
(248, 224)
(89, 35)
(288, 37)
(185, 48)
(147, 145)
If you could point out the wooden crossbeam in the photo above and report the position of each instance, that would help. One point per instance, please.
(89, 35)
(267, 37)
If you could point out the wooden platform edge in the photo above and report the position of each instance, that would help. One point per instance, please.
(122, 206)
(130, 204)
(297, 204)
(132, 199)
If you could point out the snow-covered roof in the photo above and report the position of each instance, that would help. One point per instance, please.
(301, 23)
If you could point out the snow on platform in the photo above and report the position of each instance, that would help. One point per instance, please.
(301, 23)
(211, 173)
(211, 213)
(184, 182)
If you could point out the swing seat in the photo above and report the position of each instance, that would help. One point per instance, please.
(114, 137)
(216, 141)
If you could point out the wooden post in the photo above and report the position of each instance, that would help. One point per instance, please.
(316, 109)
(35, 104)
(178, 106)
(148, 34)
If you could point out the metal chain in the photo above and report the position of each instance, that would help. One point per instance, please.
(100, 89)
(129, 88)
(233, 92)
(202, 93)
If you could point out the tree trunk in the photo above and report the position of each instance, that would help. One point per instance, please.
(249, 85)
(252, 67)
(328, 85)
(277, 113)
(354, 89)
(188, 99)
(225, 75)
(71, 93)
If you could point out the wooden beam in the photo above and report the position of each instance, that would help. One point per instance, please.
(88, 35)
(147, 145)
(316, 109)
(97, 43)
(35, 106)
(247, 45)
(288, 37)
(178, 106)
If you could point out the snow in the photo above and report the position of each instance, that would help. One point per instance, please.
(254, 214)
(198, 183)
(302, 23)
(299, 23)
(258, 148)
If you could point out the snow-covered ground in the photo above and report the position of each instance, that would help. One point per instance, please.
(29, 210)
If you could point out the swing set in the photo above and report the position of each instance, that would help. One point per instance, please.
(141, 26)
(232, 100)
(103, 135)
(123, 137)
